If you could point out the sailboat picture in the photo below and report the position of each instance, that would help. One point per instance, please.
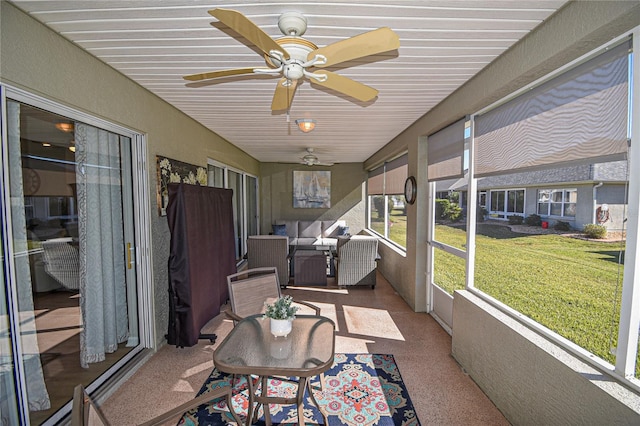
(311, 189)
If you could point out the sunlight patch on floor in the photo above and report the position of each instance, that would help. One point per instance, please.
(326, 310)
(321, 289)
(183, 386)
(371, 322)
(352, 345)
(205, 366)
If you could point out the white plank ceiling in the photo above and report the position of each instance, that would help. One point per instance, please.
(443, 44)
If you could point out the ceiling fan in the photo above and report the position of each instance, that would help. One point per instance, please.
(310, 159)
(293, 58)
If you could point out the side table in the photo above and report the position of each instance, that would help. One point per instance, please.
(310, 267)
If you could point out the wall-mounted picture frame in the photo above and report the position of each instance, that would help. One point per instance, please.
(174, 171)
(311, 189)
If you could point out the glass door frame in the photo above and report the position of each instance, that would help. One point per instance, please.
(141, 250)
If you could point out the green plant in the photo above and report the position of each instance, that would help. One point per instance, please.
(562, 226)
(592, 230)
(515, 219)
(442, 206)
(378, 204)
(481, 214)
(454, 213)
(281, 309)
(533, 220)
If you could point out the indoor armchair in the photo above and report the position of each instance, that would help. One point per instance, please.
(356, 260)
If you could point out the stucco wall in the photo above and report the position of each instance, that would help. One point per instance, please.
(36, 59)
(531, 380)
(348, 197)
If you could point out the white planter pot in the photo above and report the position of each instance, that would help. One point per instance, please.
(280, 348)
(280, 327)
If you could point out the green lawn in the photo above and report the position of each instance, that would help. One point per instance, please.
(571, 286)
(398, 228)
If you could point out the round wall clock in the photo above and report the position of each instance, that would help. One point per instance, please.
(410, 190)
(31, 181)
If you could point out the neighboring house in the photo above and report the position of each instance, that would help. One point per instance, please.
(579, 195)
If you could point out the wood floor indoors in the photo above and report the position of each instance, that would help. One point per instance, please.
(58, 326)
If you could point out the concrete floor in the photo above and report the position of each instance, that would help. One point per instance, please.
(373, 321)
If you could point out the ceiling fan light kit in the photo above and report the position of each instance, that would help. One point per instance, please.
(306, 124)
(294, 58)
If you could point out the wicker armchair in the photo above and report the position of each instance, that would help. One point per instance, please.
(270, 250)
(62, 262)
(356, 257)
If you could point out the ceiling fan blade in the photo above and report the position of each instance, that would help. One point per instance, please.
(218, 74)
(247, 29)
(283, 95)
(369, 43)
(347, 86)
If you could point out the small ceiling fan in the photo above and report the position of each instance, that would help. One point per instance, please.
(310, 159)
(293, 58)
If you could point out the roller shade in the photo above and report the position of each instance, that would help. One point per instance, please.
(578, 116)
(395, 175)
(375, 183)
(389, 178)
(445, 152)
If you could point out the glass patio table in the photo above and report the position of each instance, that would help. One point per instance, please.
(251, 349)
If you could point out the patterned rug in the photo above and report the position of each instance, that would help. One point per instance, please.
(359, 389)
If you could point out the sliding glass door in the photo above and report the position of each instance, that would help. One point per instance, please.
(70, 290)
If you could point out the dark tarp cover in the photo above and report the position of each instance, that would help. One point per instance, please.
(202, 254)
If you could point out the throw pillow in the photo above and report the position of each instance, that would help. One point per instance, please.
(279, 229)
(343, 230)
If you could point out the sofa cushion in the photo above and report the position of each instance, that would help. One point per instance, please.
(279, 229)
(309, 229)
(326, 242)
(331, 228)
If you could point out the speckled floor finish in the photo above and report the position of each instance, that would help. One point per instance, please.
(373, 321)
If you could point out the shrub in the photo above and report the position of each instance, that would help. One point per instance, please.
(378, 204)
(454, 213)
(442, 207)
(595, 231)
(481, 214)
(562, 226)
(515, 220)
(533, 220)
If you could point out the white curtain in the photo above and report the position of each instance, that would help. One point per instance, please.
(103, 300)
(37, 395)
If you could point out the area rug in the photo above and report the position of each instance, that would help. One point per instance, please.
(359, 390)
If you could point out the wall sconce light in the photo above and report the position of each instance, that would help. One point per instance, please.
(65, 127)
(306, 124)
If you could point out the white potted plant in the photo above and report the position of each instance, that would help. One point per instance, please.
(281, 313)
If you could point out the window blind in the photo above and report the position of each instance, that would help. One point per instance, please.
(578, 116)
(395, 174)
(445, 152)
(375, 182)
(388, 178)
